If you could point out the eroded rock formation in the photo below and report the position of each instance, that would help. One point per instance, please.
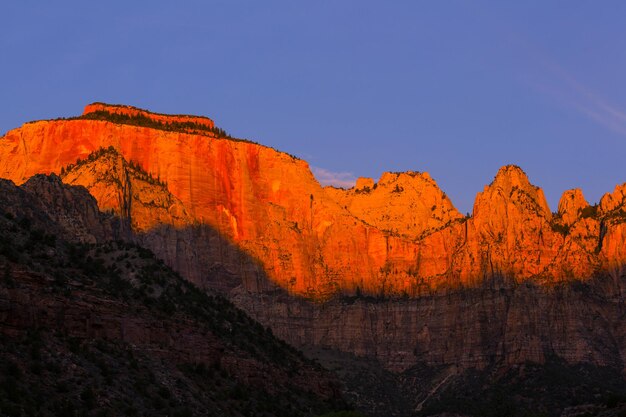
(421, 283)
(401, 235)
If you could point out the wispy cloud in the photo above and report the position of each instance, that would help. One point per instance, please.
(569, 91)
(338, 179)
(598, 108)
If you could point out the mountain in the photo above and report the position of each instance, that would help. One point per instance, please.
(400, 235)
(440, 306)
(92, 325)
(409, 204)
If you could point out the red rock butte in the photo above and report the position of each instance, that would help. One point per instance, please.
(400, 235)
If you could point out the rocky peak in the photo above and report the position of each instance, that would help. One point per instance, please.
(51, 190)
(612, 201)
(404, 203)
(511, 187)
(405, 177)
(73, 208)
(363, 182)
(570, 206)
(126, 189)
(511, 176)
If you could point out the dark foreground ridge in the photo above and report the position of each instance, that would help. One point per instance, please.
(94, 326)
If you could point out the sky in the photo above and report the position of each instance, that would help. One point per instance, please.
(356, 88)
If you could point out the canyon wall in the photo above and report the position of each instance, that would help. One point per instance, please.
(473, 328)
(399, 235)
(253, 222)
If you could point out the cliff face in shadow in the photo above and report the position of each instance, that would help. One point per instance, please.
(471, 328)
(94, 325)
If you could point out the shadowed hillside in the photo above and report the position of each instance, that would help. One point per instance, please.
(92, 326)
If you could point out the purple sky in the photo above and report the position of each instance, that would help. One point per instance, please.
(354, 87)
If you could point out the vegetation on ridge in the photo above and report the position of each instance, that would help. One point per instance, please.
(52, 368)
(129, 107)
(174, 126)
(139, 172)
(146, 121)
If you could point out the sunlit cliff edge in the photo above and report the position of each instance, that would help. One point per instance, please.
(398, 236)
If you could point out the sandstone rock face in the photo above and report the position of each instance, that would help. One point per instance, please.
(204, 203)
(467, 329)
(363, 182)
(250, 221)
(265, 202)
(409, 204)
(509, 233)
(613, 201)
(72, 210)
(128, 191)
(571, 205)
(154, 218)
(510, 236)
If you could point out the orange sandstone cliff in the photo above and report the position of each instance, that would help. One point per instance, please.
(408, 204)
(401, 235)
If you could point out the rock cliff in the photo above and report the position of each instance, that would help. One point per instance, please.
(470, 329)
(83, 311)
(408, 204)
(401, 235)
(387, 270)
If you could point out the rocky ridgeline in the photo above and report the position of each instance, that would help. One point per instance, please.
(400, 235)
(94, 325)
(387, 270)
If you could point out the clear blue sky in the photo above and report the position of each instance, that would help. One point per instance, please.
(455, 88)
